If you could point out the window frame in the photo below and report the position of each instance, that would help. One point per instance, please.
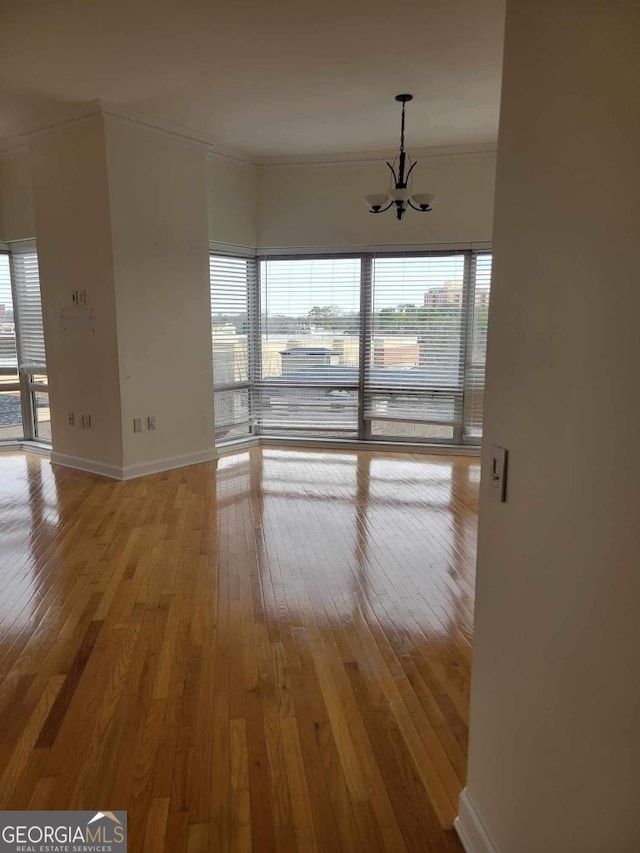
(25, 382)
(255, 384)
(253, 317)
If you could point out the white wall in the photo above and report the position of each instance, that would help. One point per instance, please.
(322, 205)
(305, 205)
(158, 210)
(16, 196)
(74, 251)
(121, 214)
(554, 761)
(232, 201)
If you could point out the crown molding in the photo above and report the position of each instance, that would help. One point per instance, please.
(216, 151)
(8, 144)
(175, 131)
(358, 158)
(22, 139)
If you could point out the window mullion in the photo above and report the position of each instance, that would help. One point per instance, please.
(254, 343)
(365, 340)
(465, 340)
(28, 414)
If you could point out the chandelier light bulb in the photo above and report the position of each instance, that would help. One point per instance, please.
(423, 201)
(376, 202)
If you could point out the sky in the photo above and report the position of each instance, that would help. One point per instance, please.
(293, 287)
(5, 283)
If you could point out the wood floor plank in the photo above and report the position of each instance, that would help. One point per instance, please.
(270, 655)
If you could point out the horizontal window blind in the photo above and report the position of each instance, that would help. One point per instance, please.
(414, 370)
(233, 290)
(30, 333)
(8, 351)
(288, 339)
(477, 345)
(307, 364)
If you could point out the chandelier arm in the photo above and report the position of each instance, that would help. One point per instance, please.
(419, 209)
(393, 172)
(406, 180)
(382, 209)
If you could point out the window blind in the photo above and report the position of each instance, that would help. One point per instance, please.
(387, 346)
(8, 352)
(28, 307)
(307, 364)
(477, 344)
(233, 287)
(414, 371)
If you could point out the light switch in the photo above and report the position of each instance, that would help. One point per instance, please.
(498, 474)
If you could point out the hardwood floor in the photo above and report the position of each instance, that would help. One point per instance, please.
(271, 656)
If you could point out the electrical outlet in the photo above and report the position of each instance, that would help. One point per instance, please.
(82, 297)
(137, 424)
(71, 418)
(151, 422)
(85, 421)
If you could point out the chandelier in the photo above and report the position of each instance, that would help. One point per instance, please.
(399, 195)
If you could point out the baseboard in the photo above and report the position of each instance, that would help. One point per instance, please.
(88, 465)
(168, 464)
(237, 445)
(471, 831)
(25, 444)
(302, 442)
(156, 466)
(131, 472)
(10, 444)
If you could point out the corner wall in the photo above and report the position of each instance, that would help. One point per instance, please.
(121, 216)
(554, 762)
(158, 208)
(232, 201)
(16, 196)
(71, 204)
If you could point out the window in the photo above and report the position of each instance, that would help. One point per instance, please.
(30, 333)
(362, 346)
(10, 397)
(414, 374)
(308, 375)
(233, 288)
(24, 392)
(477, 347)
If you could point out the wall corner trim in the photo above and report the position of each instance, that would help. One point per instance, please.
(169, 463)
(88, 465)
(115, 472)
(470, 828)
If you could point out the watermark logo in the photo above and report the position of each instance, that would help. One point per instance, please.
(63, 832)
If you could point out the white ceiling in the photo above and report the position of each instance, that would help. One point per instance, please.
(275, 78)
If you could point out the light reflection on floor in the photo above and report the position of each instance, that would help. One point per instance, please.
(388, 537)
(29, 517)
